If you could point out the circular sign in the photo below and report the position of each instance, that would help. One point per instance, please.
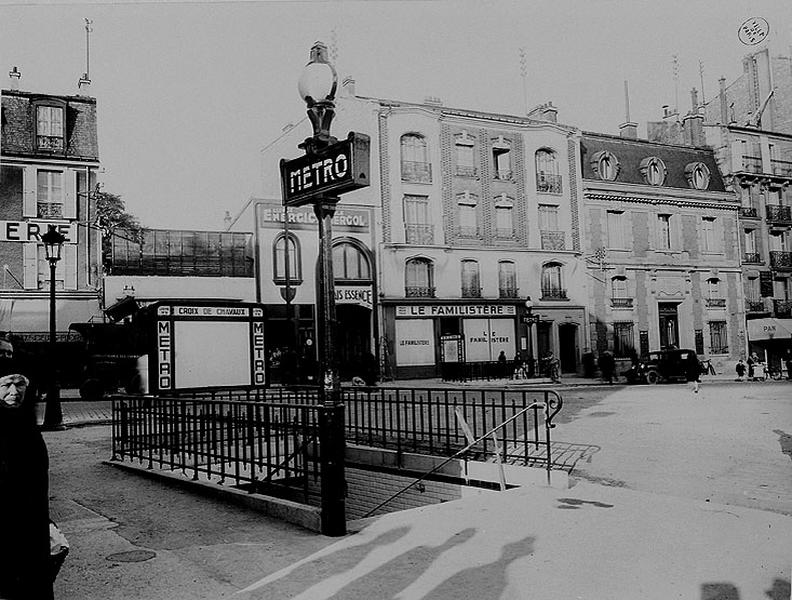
(753, 31)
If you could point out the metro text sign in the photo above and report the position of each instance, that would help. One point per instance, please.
(339, 168)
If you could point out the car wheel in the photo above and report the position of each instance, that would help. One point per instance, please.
(652, 377)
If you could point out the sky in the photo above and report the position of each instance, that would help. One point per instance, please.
(188, 93)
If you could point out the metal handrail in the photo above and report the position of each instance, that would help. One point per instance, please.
(548, 425)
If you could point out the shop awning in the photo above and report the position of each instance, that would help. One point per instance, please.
(769, 329)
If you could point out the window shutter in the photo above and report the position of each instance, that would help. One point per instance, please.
(30, 192)
(30, 265)
(70, 194)
(70, 264)
(627, 230)
(676, 232)
(720, 241)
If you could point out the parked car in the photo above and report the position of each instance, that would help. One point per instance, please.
(659, 366)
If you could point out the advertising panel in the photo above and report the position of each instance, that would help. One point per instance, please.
(485, 338)
(415, 344)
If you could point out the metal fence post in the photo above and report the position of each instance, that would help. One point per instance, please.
(331, 447)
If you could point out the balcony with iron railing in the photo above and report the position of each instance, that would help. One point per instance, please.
(782, 308)
(715, 302)
(415, 233)
(504, 233)
(49, 142)
(749, 212)
(553, 240)
(467, 231)
(780, 259)
(778, 213)
(548, 183)
(781, 167)
(419, 291)
(503, 174)
(49, 210)
(416, 172)
(755, 306)
(554, 294)
(466, 171)
(752, 164)
(508, 291)
(621, 302)
(752, 258)
(471, 291)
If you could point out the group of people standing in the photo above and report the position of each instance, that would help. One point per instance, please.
(757, 369)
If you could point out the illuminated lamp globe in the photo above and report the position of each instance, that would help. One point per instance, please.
(318, 80)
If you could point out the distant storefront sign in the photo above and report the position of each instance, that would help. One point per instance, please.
(347, 294)
(272, 216)
(455, 310)
(31, 231)
(769, 329)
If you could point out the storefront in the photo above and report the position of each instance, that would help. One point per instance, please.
(771, 339)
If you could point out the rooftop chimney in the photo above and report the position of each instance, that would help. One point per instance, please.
(724, 108)
(544, 112)
(629, 130)
(693, 122)
(14, 75)
(84, 85)
(348, 87)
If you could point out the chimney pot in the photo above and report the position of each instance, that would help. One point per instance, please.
(84, 85)
(14, 75)
(629, 130)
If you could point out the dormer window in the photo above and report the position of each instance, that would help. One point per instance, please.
(653, 170)
(698, 176)
(49, 127)
(606, 165)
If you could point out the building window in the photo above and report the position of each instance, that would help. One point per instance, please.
(49, 194)
(417, 224)
(350, 263)
(419, 278)
(623, 340)
(471, 284)
(501, 159)
(653, 170)
(552, 284)
(620, 295)
(698, 176)
(749, 241)
(467, 215)
(719, 343)
(49, 128)
(465, 156)
(617, 229)
(606, 165)
(504, 223)
(709, 240)
(507, 279)
(65, 268)
(715, 297)
(548, 217)
(415, 164)
(279, 249)
(548, 179)
(664, 232)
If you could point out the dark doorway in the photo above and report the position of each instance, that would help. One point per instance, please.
(353, 339)
(669, 324)
(568, 347)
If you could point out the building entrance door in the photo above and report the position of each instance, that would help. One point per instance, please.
(568, 347)
(353, 339)
(669, 325)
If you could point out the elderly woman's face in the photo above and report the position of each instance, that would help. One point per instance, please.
(12, 390)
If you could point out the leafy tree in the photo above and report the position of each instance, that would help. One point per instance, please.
(113, 220)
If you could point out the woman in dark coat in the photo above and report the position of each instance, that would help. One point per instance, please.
(693, 371)
(25, 571)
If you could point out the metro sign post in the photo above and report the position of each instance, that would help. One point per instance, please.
(328, 169)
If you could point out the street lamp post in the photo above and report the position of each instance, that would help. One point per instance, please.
(530, 320)
(53, 415)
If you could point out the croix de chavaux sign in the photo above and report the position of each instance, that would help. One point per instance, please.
(337, 169)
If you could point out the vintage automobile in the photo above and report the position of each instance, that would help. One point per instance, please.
(660, 366)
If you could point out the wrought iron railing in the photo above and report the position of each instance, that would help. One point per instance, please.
(549, 184)
(508, 291)
(778, 213)
(503, 174)
(781, 259)
(553, 240)
(418, 233)
(49, 142)
(715, 302)
(467, 231)
(504, 233)
(622, 302)
(554, 294)
(752, 258)
(420, 172)
(49, 210)
(752, 164)
(471, 291)
(416, 291)
(782, 308)
(755, 306)
(749, 212)
(466, 171)
(781, 167)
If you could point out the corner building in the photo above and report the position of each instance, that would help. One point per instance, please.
(663, 250)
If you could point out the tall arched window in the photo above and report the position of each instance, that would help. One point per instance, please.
(350, 263)
(548, 179)
(419, 278)
(415, 166)
(279, 251)
(620, 294)
(471, 281)
(552, 284)
(504, 222)
(507, 279)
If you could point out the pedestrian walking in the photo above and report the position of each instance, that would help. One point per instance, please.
(788, 363)
(502, 371)
(607, 364)
(25, 568)
(740, 369)
(552, 367)
(752, 366)
(693, 371)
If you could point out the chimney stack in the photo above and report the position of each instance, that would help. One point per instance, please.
(84, 85)
(629, 130)
(544, 112)
(693, 123)
(724, 108)
(14, 76)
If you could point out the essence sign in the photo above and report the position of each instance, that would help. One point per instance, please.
(339, 168)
